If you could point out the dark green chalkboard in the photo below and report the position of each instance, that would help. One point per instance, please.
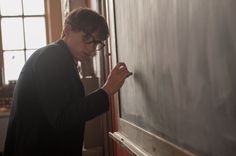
(183, 56)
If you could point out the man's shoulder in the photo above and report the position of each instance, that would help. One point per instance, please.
(49, 55)
(52, 51)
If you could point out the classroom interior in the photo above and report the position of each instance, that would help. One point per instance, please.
(181, 99)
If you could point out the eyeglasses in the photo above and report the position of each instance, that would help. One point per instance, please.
(89, 39)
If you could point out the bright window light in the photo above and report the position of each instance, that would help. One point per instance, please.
(35, 33)
(23, 31)
(10, 7)
(33, 7)
(13, 63)
(12, 33)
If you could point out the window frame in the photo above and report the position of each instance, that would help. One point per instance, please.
(52, 9)
(24, 49)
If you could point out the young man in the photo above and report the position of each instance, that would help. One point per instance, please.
(49, 108)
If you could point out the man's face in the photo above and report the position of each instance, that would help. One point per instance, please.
(82, 45)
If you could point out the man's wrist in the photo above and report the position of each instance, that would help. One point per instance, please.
(107, 90)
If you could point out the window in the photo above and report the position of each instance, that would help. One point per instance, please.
(23, 30)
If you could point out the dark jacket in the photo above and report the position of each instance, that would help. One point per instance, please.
(49, 108)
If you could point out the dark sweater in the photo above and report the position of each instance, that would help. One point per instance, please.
(49, 108)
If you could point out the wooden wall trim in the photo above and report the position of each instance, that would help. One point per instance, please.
(53, 20)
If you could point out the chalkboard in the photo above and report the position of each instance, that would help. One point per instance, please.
(183, 56)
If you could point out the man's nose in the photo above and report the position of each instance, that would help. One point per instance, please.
(92, 46)
(92, 51)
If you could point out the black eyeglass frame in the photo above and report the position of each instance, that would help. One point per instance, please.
(89, 39)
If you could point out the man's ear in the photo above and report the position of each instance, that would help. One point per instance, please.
(67, 30)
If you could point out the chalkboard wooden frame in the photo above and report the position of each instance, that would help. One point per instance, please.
(133, 138)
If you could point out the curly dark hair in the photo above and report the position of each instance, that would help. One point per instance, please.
(88, 21)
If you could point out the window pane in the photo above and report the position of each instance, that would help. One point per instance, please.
(12, 33)
(10, 7)
(29, 53)
(33, 7)
(35, 32)
(13, 63)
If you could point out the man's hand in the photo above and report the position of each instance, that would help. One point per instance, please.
(116, 79)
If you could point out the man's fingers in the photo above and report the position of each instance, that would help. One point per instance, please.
(120, 65)
(129, 74)
(126, 74)
(123, 70)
